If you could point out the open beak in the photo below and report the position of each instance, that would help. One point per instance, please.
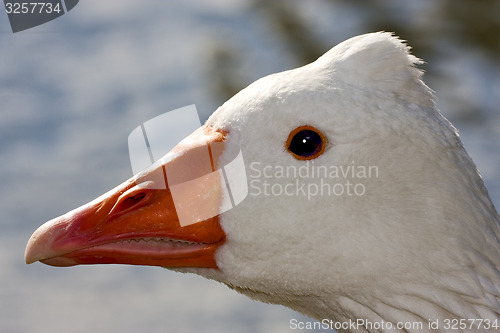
(138, 222)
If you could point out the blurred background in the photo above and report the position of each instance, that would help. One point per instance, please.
(72, 89)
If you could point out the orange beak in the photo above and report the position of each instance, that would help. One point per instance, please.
(137, 223)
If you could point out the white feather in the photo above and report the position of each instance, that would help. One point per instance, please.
(422, 242)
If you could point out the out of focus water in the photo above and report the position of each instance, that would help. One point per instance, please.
(70, 93)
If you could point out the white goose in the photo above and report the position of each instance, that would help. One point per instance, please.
(418, 241)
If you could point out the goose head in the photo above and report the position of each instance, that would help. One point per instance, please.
(362, 202)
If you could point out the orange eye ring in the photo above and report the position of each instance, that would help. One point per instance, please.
(306, 143)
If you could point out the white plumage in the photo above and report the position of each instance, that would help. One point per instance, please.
(422, 242)
(418, 242)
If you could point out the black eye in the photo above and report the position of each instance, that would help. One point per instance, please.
(306, 143)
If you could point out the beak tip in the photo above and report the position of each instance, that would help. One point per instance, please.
(30, 253)
(28, 261)
(39, 244)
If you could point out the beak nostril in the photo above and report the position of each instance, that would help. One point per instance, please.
(129, 202)
(133, 200)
